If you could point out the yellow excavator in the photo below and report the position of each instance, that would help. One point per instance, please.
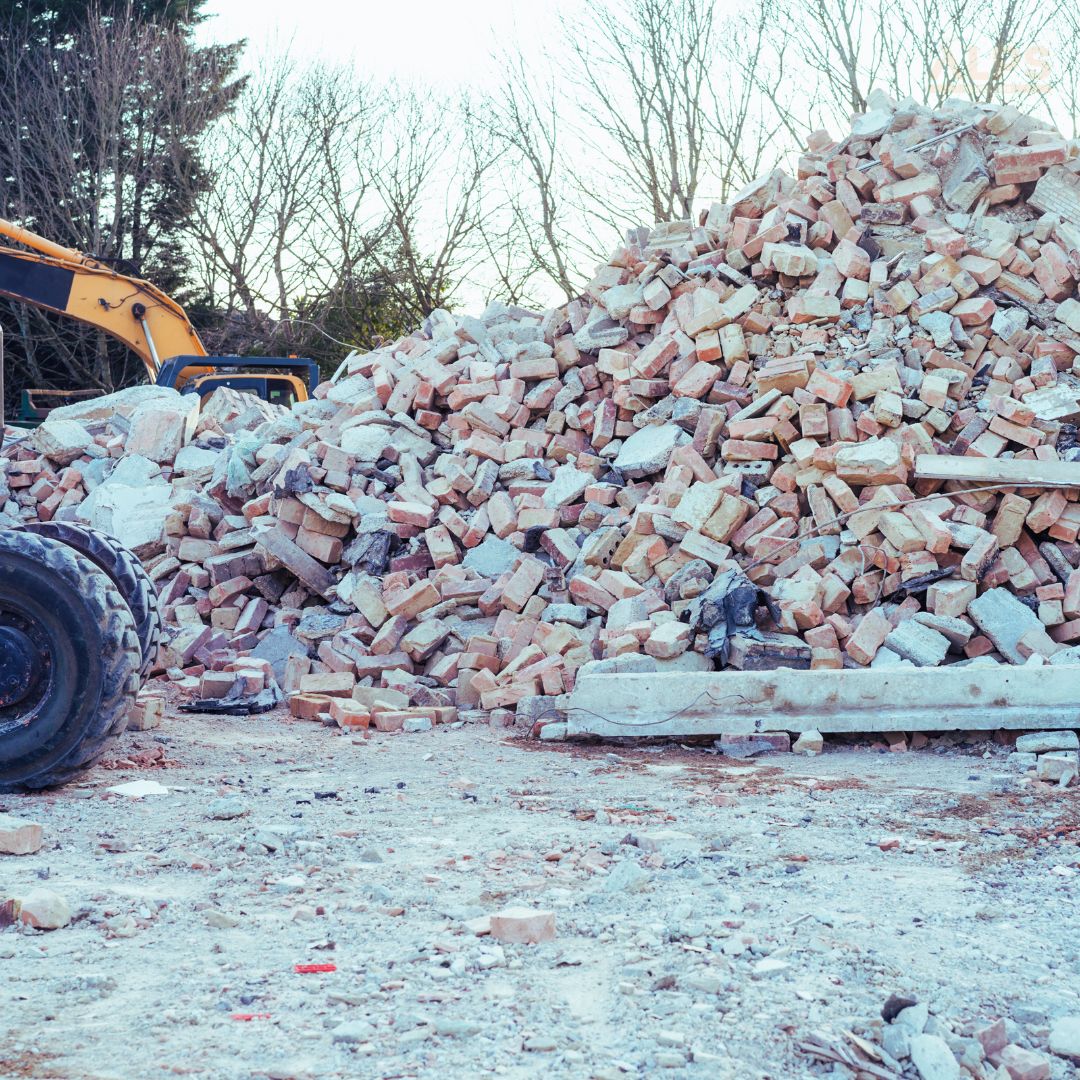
(145, 319)
(79, 619)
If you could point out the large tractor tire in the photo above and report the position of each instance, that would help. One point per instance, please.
(69, 661)
(127, 573)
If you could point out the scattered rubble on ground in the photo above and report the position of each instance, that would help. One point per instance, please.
(331, 908)
(803, 393)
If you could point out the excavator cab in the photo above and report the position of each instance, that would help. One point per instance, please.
(280, 380)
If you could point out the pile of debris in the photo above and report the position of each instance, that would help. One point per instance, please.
(940, 1049)
(763, 439)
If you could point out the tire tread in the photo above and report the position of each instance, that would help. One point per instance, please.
(121, 651)
(127, 572)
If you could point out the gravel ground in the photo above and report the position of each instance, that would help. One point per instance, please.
(711, 914)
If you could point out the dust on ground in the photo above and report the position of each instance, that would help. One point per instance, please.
(711, 913)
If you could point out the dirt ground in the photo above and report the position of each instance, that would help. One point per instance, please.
(712, 915)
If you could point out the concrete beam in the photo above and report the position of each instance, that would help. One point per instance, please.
(738, 702)
(1053, 474)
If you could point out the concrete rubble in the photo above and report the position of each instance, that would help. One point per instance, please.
(472, 515)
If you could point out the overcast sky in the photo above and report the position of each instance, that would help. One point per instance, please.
(447, 42)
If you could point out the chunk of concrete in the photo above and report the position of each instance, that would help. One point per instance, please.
(133, 470)
(574, 614)
(491, 558)
(135, 516)
(160, 429)
(930, 1054)
(195, 461)
(277, 647)
(567, 487)
(366, 442)
(1058, 767)
(809, 743)
(523, 926)
(44, 909)
(876, 461)
(619, 665)
(61, 441)
(1065, 1038)
(1004, 620)
(123, 402)
(918, 643)
(1040, 742)
(649, 450)
(601, 333)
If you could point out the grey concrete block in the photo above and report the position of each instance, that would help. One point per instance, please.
(918, 643)
(1004, 620)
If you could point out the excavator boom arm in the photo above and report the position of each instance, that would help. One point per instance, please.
(59, 279)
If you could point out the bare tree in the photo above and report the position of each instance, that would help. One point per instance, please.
(931, 50)
(340, 209)
(93, 132)
(286, 216)
(644, 70)
(433, 179)
(666, 107)
(524, 119)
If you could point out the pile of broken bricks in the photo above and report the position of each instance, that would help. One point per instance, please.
(818, 383)
(940, 1048)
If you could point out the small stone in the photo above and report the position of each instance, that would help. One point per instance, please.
(748, 745)
(1065, 1037)
(931, 1055)
(809, 743)
(416, 724)
(221, 920)
(226, 808)
(914, 1018)
(993, 1038)
(670, 1059)
(1056, 765)
(771, 965)
(540, 1044)
(456, 1028)
(19, 836)
(352, 1032)
(669, 842)
(896, 1041)
(670, 1038)
(1024, 1064)
(523, 926)
(44, 909)
(268, 839)
(627, 877)
(894, 1005)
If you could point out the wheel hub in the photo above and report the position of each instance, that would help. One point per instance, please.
(21, 666)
